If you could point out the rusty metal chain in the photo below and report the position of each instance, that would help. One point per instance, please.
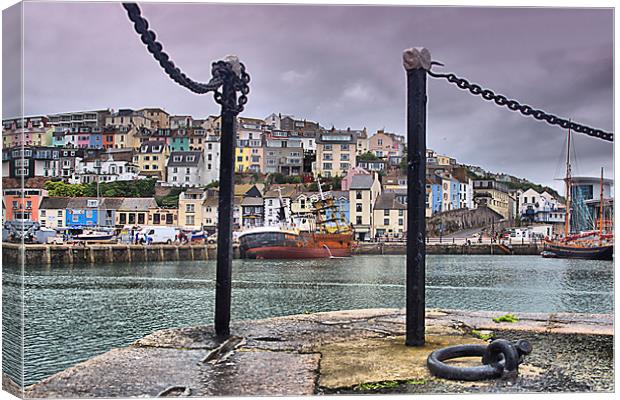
(220, 70)
(524, 109)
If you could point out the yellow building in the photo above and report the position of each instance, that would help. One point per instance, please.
(363, 193)
(243, 159)
(495, 196)
(191, 210)
(336, 152)
(163, 216)
(151, 159)
(390, 215)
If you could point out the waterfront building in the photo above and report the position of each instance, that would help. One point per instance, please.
(58, 137)
(252, 209)
(191, 208)
(585, 202)
(494, 195)
(210, 210)
(158, 216)
(272, 204)
(151, 159)
(390, 215)
(466, 188)
(90, 212)
(363, 193)
(185, 168)
(537, 207)
(434, 185)
(22, 203)
(134, 211)
(336, 152)
(52, 211)
(77, 119)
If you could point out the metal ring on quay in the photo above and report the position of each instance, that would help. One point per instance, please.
(500, 359)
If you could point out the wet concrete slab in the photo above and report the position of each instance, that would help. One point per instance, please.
(304, 354)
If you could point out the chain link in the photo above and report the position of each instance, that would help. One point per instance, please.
(221, 71)
(524, 109)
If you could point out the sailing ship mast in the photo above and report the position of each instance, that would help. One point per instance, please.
(568, 190)
(600, 217)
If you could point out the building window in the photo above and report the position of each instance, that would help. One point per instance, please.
(189, 220)
(401, 221)
(189, 208)
(386, 213)
(140, 218)
(358, 195)
(358, 220)
(401, 213)
(358, 207)
(386, 221)
(327, 166)
(344, 147)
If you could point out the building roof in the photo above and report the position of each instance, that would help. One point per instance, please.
(184, 158)
(138, 203)
(54, 203)
(252, 201)
(289, 191)
(360, 182)
(388, 201)
(151, 145)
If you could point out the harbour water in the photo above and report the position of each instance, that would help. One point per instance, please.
(74, 313)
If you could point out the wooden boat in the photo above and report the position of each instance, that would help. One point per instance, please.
(331, 237)
(591, 245)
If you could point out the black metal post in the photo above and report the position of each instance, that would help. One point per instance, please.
(228, 141)
(416, 62)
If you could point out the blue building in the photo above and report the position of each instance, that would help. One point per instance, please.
(81, 213)
(455, 189)
(436, 192)
(95, 141)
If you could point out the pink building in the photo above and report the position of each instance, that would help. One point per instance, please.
(351, 172)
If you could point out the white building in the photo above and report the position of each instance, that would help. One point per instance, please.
(211, 157)
(538, 207)
(114, 165)
(272, 204)
(466, 194)
(186, 168)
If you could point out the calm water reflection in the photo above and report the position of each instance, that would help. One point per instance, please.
(73, 313)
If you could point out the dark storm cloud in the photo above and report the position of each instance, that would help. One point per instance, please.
(342, 66)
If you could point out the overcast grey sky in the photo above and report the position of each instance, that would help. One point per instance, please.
(341, 66)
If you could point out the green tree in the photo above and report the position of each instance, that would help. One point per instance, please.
(368, 156)
(63, 189)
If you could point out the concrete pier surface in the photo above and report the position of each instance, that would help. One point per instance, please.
(358, 351)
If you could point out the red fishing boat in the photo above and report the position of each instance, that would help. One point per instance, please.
(330, 236)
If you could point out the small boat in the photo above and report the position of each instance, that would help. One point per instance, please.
(548, 254)
(95, 236)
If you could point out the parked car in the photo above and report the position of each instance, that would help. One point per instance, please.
(158, 234)
(213, 238)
